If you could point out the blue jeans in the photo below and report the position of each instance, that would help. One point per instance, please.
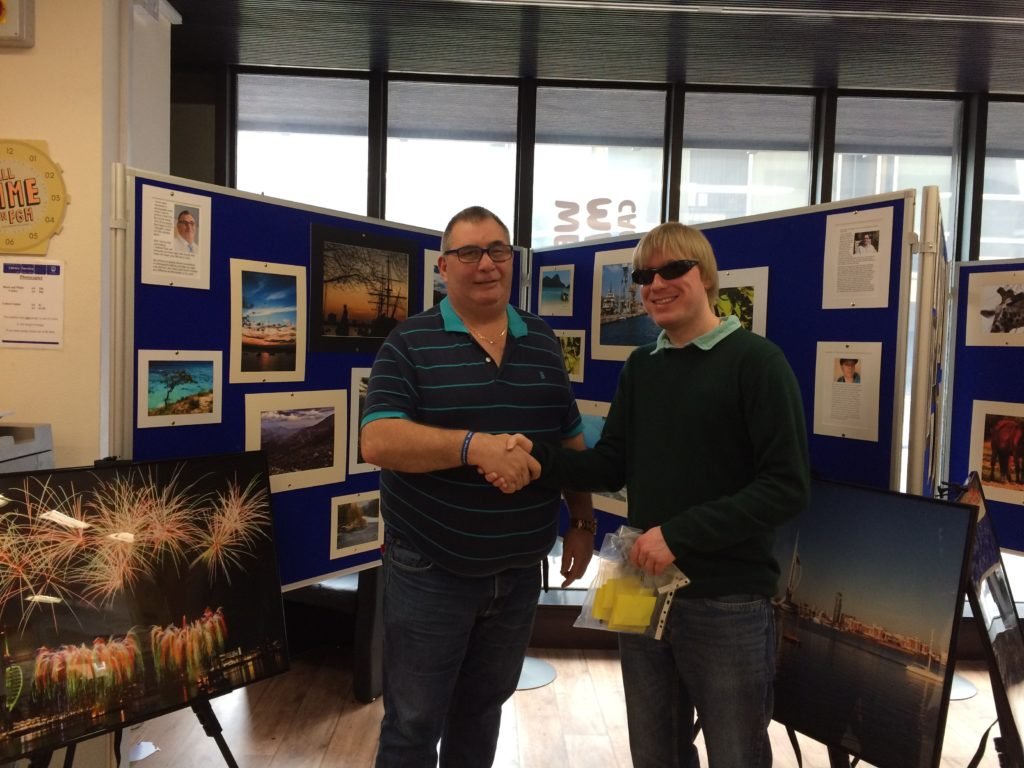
(716, 656)
(453, 652)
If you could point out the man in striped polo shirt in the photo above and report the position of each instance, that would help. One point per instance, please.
(461, 558)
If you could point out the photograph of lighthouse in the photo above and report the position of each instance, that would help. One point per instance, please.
(872, 584)
(361, 287)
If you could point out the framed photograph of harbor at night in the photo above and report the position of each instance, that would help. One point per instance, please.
(870, 597)
(131, 590)
(995, 613)
(619, 322)
(361, 287)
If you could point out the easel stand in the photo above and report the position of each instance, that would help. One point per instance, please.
(211, 725)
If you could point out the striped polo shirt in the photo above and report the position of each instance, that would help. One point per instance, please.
(431, 371)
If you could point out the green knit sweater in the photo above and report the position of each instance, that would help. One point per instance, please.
(711, 445)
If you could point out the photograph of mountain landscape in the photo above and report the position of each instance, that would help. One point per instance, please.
(301, 435)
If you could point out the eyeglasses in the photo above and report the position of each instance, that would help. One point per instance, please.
(471, 254)
(669, 271)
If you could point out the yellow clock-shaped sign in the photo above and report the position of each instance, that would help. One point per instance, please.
(32, 197)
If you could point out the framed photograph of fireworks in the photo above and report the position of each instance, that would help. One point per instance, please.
(361, 286)
(268, 322)
(130, 590)
(356, 524)
(178, 387)
(301, 435)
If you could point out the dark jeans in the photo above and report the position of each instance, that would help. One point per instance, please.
(716, 656)
(453, 652)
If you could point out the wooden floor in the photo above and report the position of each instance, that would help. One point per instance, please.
(307, 718)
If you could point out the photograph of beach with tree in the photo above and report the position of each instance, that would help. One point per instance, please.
(178, 387)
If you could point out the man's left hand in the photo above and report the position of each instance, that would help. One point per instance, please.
(650, 553)
(577, 549)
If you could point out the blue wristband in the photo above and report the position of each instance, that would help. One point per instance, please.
(465, 447)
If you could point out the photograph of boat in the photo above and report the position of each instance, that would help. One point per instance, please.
(618, 316)
(871, 587)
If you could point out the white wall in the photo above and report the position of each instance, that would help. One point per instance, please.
(67, 90)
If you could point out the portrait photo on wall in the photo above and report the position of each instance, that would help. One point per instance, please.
(136, 589)
(268, 322)
(744, 293)
(574, 350)
(357, 400)
(361, 287)
(434, 286)
(301, 435)
(594, 414)
(997, 449)
(356, 524)
(995, 309)
(556, 291)
(871, 592)
(619, 321)
(178, 387)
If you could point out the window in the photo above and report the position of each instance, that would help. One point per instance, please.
(1002, 212)
(450, 146)
(304, 139)
(884, 145)
(597, 164)
(744, 154)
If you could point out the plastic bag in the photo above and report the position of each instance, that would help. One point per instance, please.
(622, 597)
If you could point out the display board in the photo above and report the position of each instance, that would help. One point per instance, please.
(867, 618)
(985, 415)
(129, 590)
(253, 325)
(825, 283)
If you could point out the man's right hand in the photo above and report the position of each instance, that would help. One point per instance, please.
(505, 463)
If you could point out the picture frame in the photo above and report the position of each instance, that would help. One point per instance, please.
(594, 413)
(301, 435)
(361, 287)
(996, 429)
(200, 572)
(356, 524)
(178, 387)
(268, 322)
(574, 352)
(744, 293)
(994, 303)
(619, 321)
(434, 286)
(555, 291)
(17, 23)
(357, 399)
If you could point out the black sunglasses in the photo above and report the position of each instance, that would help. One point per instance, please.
(669, 271)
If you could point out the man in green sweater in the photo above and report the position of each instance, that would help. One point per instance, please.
(707, 433)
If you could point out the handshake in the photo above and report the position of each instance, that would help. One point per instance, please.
(504, 460)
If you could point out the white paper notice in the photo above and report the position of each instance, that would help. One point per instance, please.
(847, 377)
(175, 238)
(858, 248)
(32, 303)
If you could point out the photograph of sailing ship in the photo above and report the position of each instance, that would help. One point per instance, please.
(617, 314)
(871, 589)
(996, 613)
(131, 590)
(361, 288)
